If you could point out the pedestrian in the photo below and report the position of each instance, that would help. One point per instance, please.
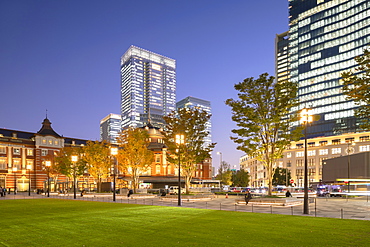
(247, 197)
(1, 191)
(288, 194)
(130, 192)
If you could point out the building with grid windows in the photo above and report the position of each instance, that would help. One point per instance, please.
(148, 87)
(324, 38)
(282, 68)
(110, 127)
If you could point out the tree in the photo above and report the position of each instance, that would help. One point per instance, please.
(356, 86)
(68, 168)
(224, 173)
(97, 157)
(133, 155)
(262, 114)
(281, 176)
(191, 122)
(240, 178)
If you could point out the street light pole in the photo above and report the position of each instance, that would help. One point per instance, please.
(180, 139)
(74, 159)
(114, 152)
(15, 180)
(349, 151)
(48, 164)
(219, 153)
(29, 179)
(305, 118)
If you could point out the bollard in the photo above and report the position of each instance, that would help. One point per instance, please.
(341, 213)
(235, 207)
(291, 209)
(271, 208)
(152, 202)
(220, 206)
(206, 205)
(315, 207)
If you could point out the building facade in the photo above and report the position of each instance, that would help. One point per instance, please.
(23, 157)
(324, 38)
(319, 149)
(190, 102)
(282, 64)
(148, 87)
(110, 127)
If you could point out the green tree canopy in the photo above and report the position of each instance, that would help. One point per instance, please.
(262, 114)
(240, 178)
(133, 155)
(224, 173)
(98, 159)
(356, 85)
(190, 122)
(281, 176)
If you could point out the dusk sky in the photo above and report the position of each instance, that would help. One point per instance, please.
(64, 56)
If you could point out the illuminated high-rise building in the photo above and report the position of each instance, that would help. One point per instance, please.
(148, 87)
(324, 38)
(110, 127)
(282, 68)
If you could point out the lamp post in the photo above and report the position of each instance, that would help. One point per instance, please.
(219, 153)
(47, 165)
(305, 119)
(74, 159)
(29, 179)
(114, 152)
(15, 180)
(180, 139)
(349, 151)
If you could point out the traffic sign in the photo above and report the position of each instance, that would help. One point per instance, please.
(292, 181)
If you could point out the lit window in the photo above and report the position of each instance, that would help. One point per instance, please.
(29, 152)
(289, 155)
(44, 152)
(336, 150)
(323, 151)
(365, 148)
(2, 150)
(16, 151)
(299, 154)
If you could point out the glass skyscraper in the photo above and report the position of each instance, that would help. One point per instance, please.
(282, 68)
(110, 127)
(324, 38)
(148, 87)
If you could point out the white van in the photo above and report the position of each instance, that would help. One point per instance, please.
(174, 190)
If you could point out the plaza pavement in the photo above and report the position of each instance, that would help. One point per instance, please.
(335, 207)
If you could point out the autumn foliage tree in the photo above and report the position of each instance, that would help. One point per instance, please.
(262, 115)
(356, 85)
(98, 160)
(133, 154)
(190, 122)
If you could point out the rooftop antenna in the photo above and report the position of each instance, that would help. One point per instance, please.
(46, 113)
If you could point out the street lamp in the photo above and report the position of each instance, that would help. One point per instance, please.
(306, 118)
(29, 167)
(15, 180)
(180, 139)
(74, 159)
(48, 165)
(349, 151)
(219, 153)
(114, 152)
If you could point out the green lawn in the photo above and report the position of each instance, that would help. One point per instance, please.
(54, 222)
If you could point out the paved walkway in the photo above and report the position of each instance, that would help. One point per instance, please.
(353, 208)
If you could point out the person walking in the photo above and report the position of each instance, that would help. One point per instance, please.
(288, 194)
(247, 197)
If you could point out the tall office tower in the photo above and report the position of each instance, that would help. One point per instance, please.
(190, 102)
(110, 127)
(148, 87)
(282, 68)
(325, 36)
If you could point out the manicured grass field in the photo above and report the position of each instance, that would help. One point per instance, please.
(54, 222)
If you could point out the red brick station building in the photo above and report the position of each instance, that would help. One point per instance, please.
(23, 157)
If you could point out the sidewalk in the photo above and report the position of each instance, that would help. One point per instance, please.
(342, 208)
